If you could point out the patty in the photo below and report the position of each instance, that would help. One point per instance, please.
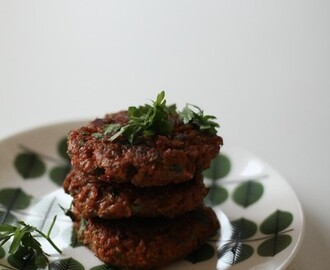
(154, 161)
(146, 243)
(112, 201)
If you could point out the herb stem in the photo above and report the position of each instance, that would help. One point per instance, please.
(50, 241)
(51, 226)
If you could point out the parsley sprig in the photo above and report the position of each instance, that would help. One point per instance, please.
(143, 120)
(154, 119)
(24, 237)
(197, 117)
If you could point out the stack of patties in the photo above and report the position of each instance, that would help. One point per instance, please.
(138, 189)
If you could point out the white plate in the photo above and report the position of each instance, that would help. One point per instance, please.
(261, 218)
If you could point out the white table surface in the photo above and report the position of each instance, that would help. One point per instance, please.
(262, 67)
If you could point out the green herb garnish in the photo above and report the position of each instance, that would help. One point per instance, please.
(108, 129)
(24, 238)
(154, 119)
(145, 120)
(204, 122)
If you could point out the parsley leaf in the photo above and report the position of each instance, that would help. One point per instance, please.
(204, 122)
(111, 128)
(147, 120)
(24, 240)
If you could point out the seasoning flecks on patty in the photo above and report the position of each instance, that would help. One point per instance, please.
(146, 243)
(153, 161)
(113, 201)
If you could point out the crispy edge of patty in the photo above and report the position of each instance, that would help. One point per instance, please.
(156, 160)
(112, 201)
(146, 243)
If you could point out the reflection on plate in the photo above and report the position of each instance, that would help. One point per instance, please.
(261, 218)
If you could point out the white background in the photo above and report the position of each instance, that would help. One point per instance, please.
(262, 67)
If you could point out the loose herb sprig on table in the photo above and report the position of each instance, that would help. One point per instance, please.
(154, 119)
(24, 237)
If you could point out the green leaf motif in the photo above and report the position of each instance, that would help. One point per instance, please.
(219, 168)
(274, 245)
(29, 165)
(243, 229)
(14, 198)
(276, 222)
(216, 196)
(62, 148)
(105, 267)
(23, 259)
(58, 174)
(66, 264)
(248, 193)
(8, 218)
(204, 253)
(235, 252)
(2, 253)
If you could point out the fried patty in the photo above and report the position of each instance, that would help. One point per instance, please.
(154, 161)
(113, 201)
(146, 243)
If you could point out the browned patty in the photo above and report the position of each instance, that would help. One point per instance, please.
(124, 200)
(156, 160)
(146, 243)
